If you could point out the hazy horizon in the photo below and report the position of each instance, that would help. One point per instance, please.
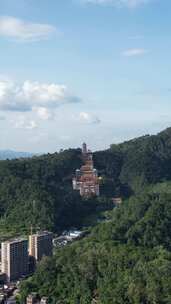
(80, 145)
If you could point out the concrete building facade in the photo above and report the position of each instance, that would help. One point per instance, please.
(14, 258)
(40, 244)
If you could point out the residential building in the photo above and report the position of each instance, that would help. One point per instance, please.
(40, 244)
(14, 258)
(2, 278)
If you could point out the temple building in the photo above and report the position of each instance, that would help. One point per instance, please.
(86, 179)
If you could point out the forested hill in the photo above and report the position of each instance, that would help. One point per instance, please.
(125, 260)
(38, 191)
(136, 163)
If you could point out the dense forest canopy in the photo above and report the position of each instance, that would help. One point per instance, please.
(138, 162)
(126, 260)
(39, 190)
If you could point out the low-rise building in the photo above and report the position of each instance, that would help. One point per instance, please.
(44, 300)
(33, 298)
(117, 201)
(2, 299)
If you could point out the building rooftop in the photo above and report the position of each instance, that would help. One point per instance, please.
(15, 240)
(42, 233)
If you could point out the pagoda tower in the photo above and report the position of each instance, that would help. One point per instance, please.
(86, 179)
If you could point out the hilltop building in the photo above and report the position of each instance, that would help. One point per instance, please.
(86, 179)
(14, 258)
(40, 244)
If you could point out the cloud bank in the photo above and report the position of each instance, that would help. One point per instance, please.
(88, 118)
(23, 123)
(44, 113)
(29, 96)
(18, 29)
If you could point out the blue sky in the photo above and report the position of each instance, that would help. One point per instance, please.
(83, 70)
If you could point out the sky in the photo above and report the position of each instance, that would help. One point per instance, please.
(83, 70)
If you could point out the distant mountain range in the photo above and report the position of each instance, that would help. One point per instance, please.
(9, 154)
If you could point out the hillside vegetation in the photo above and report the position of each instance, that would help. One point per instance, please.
(127, 260)
(38, 191)
(137, 163)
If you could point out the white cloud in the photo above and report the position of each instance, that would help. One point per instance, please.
(88, 118)
(44, 113)
(117, 3)
(134, 52)
(25, 31)
(30, 95)
(23, 123)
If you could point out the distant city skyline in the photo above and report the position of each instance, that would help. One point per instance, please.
(83, 70)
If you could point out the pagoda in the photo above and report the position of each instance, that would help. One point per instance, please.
(86, 179)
